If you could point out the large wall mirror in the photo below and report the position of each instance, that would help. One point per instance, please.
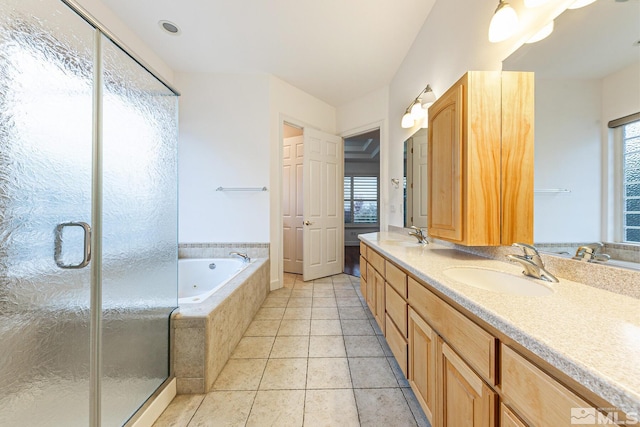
(587, 73)
(415, 179)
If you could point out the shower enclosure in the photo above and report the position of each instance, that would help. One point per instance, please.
(88, 221)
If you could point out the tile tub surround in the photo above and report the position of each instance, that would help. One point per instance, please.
(320, 362)
(205, 334)
(221, 250)
(590, 335)
(623, 281)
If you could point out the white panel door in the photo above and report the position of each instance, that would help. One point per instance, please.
(293, 153)
(323, 235)
(420, 149)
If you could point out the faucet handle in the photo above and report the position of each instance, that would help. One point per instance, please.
(529, 250)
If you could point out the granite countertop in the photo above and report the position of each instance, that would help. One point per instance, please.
(590, 334)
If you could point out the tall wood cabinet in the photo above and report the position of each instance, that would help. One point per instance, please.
(480, 160)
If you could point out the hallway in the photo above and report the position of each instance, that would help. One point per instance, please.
(313, 356)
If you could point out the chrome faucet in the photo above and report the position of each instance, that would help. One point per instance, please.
(588, 253)
(418, 233)
(532, 263)
(242, 255)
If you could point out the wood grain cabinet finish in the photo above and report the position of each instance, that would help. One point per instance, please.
(465, 399)
(396, 308)
(480, 160)
(537, 397)
(422, 363)
(363, 276)
(380, 310)
(474, 344)
(451, 361)
(376, 260)
(508, 418)
(396, 278)
(397, 343)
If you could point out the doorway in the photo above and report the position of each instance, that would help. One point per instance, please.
(292, 198)
(313, 236)
(361, 193)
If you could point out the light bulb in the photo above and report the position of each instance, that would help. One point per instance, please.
(417, 112)
(407, 121)
(542, 34)
(580, 3)
(429, 97)
(503, 24)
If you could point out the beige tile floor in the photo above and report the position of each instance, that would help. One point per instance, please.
(313, 356)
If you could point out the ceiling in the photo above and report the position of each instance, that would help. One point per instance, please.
(335, 50)
(363, 148)
(588, 43)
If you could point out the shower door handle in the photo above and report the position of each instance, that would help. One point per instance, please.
(86, 228)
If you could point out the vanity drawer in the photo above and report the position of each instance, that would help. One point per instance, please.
(396, 309)
(363, 267)
(470, 341)
(363, 250)
(376, 260)
(397, 344)
(396, 278)
(536, 396)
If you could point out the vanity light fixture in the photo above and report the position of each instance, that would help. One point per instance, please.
(504, 23)
(580, 3)
(542, 34)
(417, 110)
(534, 3)
(407, 120)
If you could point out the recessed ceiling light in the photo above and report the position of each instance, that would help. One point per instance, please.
(169, 27)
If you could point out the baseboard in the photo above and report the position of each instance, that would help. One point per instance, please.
(150, 412)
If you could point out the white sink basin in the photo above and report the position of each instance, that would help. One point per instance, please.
(498, 281)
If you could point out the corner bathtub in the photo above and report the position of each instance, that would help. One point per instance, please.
(199, 278)
(213, 316)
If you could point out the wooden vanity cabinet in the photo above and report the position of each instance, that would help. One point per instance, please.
(372, 287)
(461, 374)
(534, 395)
(480, 160)
(465, 399)
(508, 418)
(422, 363)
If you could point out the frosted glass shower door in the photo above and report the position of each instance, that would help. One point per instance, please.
(140, 242)
(46, 75)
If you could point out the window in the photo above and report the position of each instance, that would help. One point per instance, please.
(631, 181)
(361, 199)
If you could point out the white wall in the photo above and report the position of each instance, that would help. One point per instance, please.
(568, 156)
(619, 99)
(106, 17)
(290, 104)
(223, 144)
(452, 41)
(364, 114)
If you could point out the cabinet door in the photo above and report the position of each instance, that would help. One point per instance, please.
(538, 397)
(379, 301)
(444, 211)
(370, 294)
(508, 418)
(363, 277)
(465, 399)
(422, 363)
